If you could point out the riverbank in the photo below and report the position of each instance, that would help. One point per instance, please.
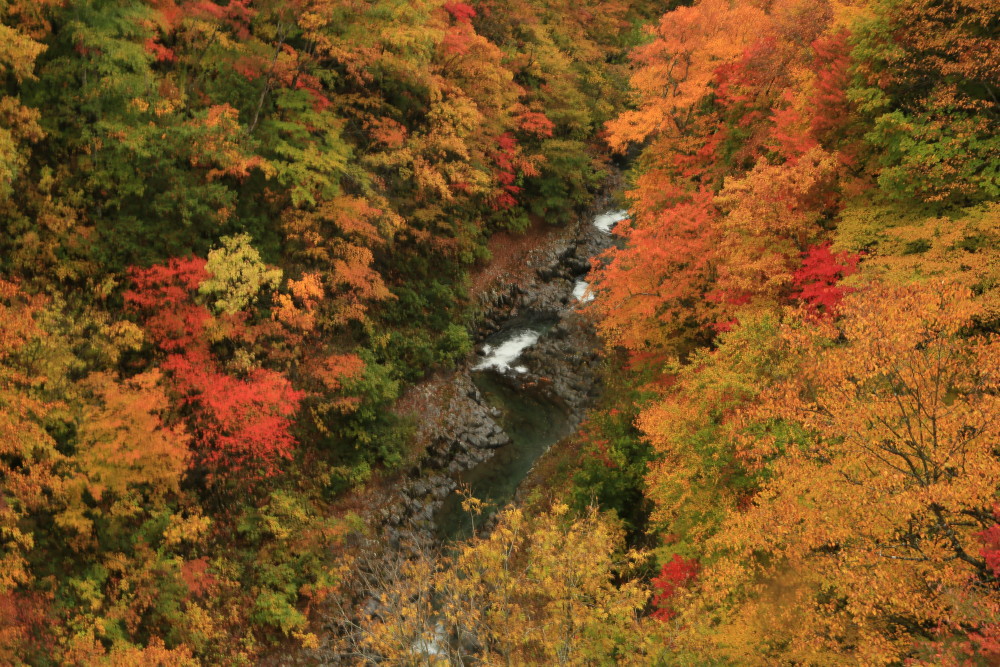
(480, 428)
(471, 432)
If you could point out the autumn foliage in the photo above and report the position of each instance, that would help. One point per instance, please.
(674, 575)
(820, 275)
(241, 424)
(230, 233)
(806, 302)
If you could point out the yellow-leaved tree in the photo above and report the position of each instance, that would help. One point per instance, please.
(865, 541)
(542, 589)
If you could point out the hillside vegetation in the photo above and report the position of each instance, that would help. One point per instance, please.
(232, 231)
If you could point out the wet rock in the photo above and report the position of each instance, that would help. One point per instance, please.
(560, 368)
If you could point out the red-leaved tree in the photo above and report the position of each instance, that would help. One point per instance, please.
(819, 276)
(241, 422)
(675, 575)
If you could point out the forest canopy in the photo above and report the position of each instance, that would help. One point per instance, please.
(232, 232)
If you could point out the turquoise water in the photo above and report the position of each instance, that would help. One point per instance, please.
(533, 423)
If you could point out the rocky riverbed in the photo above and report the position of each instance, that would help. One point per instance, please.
(557, 371)
(534, 373)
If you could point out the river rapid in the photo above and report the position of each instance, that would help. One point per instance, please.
(529, 383)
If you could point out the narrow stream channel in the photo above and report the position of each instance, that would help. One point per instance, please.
(533, 421)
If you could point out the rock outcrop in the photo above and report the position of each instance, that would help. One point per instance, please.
(561, 369)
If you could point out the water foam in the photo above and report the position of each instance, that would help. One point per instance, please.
(605, 221)
(503, 355)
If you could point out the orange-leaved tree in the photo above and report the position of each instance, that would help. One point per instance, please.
(240, 420)
(653, 290)
(868, 530)
(676, 68)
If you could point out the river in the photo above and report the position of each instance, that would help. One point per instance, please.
(509, 374)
